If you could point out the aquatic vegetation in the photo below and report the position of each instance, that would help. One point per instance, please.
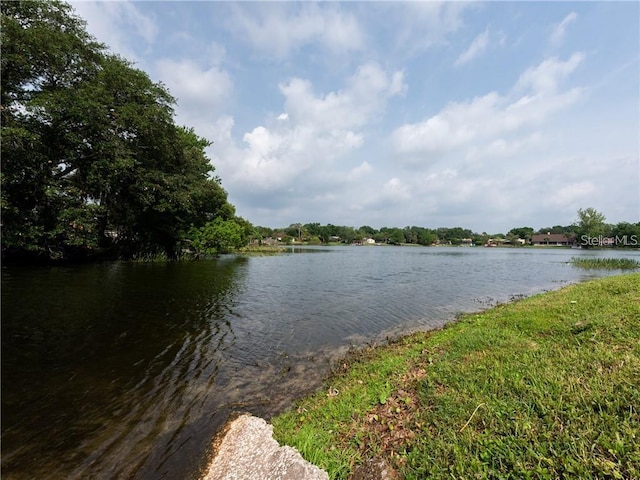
(606, 263)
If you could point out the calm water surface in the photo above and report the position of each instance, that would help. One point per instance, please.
(127, 370)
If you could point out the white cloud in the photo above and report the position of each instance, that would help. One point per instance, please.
(115, 23)
(506, 147)
(280, 30)
(304, 145)
(559, 30)
(533, 99)
(197, 89)
(366, 92)
(422, 25)
(572, 194)
(545, 77)
(477, 47)
(360, 171)
(395, 191)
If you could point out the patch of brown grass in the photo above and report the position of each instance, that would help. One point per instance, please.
(388, 429)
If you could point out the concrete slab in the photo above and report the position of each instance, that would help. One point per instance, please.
(248, 451)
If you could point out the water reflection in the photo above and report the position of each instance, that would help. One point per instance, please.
(115, 363)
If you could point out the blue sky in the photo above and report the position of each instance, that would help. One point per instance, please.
(487, 116)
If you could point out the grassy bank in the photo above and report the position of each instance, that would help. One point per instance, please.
(547, 387)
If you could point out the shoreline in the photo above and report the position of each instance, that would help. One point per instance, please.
(379, 403)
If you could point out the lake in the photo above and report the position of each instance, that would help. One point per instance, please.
(127, 370)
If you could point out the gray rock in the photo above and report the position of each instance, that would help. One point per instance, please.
(249, 451)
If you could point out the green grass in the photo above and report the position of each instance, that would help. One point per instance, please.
(546, 387)
(606, 263)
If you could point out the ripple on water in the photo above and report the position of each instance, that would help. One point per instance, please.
(128, 370)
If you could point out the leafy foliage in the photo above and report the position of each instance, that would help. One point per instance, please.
(591, 223)
(218, 236)
(92, 158)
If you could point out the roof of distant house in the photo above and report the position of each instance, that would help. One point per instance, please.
(553, 237)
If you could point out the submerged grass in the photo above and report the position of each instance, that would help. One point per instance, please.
(546, 387)
(261, 250)
(606, 263)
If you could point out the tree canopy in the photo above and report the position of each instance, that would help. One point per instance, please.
(91, 157)
(591, 223)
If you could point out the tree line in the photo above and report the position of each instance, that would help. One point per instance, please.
(590, 224)
(92, 160)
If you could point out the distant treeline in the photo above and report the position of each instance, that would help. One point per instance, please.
(316, 233)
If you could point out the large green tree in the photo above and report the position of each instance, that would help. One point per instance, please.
(523, 233)
(91, 156)
(218, 236)
(589, 226)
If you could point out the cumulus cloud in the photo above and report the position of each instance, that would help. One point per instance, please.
(534, 98)
(365, 93)
(477, 47)
(559, 30)
(304, 147)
